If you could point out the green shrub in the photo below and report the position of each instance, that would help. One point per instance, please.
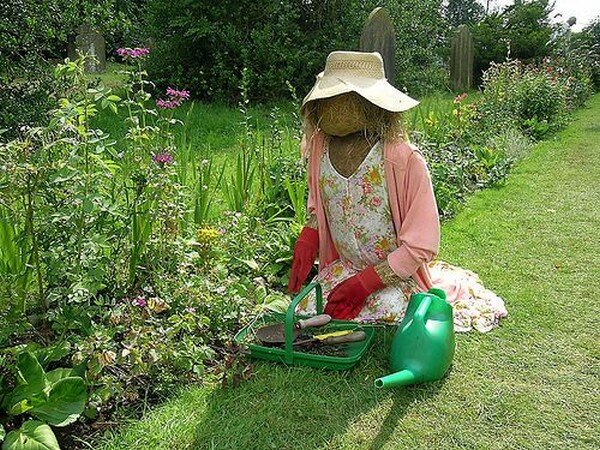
(32, 35)
(519, 31)
(532, 98)
(206, 48)
(110, 244)
(591, 37)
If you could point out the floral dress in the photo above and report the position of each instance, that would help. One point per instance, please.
(360, 220)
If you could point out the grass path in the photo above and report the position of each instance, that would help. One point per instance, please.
(531, 384)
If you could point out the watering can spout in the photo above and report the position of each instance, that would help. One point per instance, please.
(402, 378)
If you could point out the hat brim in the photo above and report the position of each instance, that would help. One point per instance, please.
(379, 92)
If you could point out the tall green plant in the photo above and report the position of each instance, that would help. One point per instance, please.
(15, 273)
(237, 188)
(205, 186)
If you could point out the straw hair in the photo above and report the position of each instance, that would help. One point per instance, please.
(348, 113)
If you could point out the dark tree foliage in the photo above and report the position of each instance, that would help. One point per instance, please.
(591, 37)
(468, 12)
(204, 46)
(34, 34)
(520, 30)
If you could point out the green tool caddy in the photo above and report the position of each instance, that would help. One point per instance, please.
(352, 352)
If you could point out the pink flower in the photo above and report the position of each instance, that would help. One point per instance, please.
(176, 94)
(175, 98)
(162, 159)
(166, 104)
(460, 98)
(133, 53)
(139, 301)
(376, 201)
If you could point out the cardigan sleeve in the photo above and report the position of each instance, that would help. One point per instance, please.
(419, 234)
(311, 206)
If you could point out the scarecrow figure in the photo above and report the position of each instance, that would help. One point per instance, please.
(373, 219)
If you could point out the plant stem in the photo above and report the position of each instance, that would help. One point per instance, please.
(35, 254)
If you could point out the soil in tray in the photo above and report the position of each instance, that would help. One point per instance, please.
(325, 350)
(314, 348)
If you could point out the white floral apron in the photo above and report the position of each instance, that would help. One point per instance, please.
(360, 221)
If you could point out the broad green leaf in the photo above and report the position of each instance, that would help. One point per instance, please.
(276, 303)
(58, 374)
(88, 205)
(20, 407)
(30, 371)
(251, 263)
(31, 382)
(65, 402)
(2, 433)
(33, 435)
(52, 353)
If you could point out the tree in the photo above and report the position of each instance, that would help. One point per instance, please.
(520, 30)
(205, 45)
(591, 35)
(468, 12)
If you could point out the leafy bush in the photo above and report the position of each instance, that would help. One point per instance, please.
(461, 156)
(32, 35)
(519, 31)
(206, 48)
(110, 244)
(531, 98)
(591, 38)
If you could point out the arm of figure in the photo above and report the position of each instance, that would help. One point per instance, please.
(312, 222)
(307, 245)
(420, 229)
(386, 273)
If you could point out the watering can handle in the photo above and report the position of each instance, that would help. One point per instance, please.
(422, 309)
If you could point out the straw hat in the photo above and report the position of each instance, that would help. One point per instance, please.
(360, 72)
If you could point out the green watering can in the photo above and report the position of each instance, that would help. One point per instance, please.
(423, 346)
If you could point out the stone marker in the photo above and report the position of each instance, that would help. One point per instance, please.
(461, 59)
(90, 42)
(378, 36)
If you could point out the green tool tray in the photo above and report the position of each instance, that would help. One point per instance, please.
(352, 352)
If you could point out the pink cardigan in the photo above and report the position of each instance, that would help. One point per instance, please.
(412, 203)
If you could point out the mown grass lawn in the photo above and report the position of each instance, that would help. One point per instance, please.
(532, 383)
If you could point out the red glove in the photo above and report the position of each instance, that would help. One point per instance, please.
(347, 299)
(305, 252)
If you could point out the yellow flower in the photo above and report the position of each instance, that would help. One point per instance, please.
(337, 271)
(374, 175)
(206, 235)
(157, 305)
